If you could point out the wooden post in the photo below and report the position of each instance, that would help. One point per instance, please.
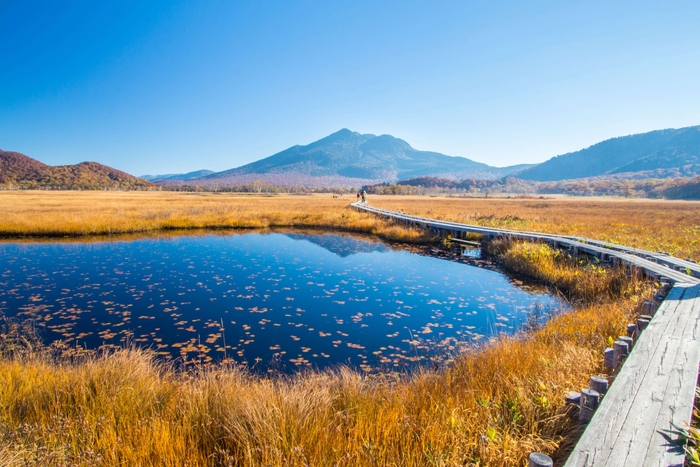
(609, 358)
(537, 459)
(632, 331)
(629, 340)
(648, 308)
(599, 384)
(642, 323)
(665, 283)
(573, 401)
(589, 404)
(620, 351)
(658, 298)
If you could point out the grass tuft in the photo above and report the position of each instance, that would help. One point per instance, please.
(580, 278)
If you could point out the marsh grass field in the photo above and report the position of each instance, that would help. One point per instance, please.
(492, 407)
(655, 225)
(75, 214)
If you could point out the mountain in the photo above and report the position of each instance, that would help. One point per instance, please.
(348, 158)
(341, 245)
(187, 176)
(666, 153)
(18, 170)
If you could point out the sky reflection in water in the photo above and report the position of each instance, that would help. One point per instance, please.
(274, 301)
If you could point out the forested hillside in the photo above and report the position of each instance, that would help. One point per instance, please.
(20, 171)
(670, 188)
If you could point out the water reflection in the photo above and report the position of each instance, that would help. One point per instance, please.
(268, 301)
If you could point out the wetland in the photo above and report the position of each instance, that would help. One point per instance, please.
(67, 266)
(270, 301)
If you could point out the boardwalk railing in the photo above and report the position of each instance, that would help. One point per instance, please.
(655, 388)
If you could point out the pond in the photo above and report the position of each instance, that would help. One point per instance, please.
(273, 301)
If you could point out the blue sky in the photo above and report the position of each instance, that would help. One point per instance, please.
(174, 86)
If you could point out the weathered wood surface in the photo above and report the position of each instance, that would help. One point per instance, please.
(658, 257)
(656, 386)
(654, 389)
(654, 264)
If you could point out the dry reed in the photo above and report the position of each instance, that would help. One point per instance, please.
(59, 214)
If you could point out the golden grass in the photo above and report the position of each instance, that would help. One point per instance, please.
(579, 277)
(75, 213)
(669, 226)
(493, 407)
(655, 225)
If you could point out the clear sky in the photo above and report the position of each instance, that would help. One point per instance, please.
(173, 86)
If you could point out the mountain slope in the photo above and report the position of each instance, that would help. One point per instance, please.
(350, 155)
(661, 149)
(185, 176)
(21, 171)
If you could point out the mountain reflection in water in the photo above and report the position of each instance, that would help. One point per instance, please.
(270, 301)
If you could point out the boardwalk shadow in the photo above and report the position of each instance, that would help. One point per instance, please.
(674, 443)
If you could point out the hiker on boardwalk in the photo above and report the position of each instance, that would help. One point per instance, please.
(358, 196)
(363, 193)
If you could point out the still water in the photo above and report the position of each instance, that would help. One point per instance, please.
(269, 301)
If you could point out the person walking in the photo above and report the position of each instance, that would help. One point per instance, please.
(358, 196)
(364, 196)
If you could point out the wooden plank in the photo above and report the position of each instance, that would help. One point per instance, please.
(677, 405)
(639, 441)
(661, 258)
(597, 441)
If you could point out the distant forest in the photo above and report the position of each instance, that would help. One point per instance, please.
(684, 188)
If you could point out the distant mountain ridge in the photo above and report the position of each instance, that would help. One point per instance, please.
(349, 158)
(185, 176)
(18, 170)
(663, 152)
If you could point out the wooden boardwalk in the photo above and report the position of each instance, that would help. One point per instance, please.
(652, 263)
(656, 386)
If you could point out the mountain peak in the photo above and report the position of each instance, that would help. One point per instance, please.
(386, 143)
(348, 155)
(343, 132)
